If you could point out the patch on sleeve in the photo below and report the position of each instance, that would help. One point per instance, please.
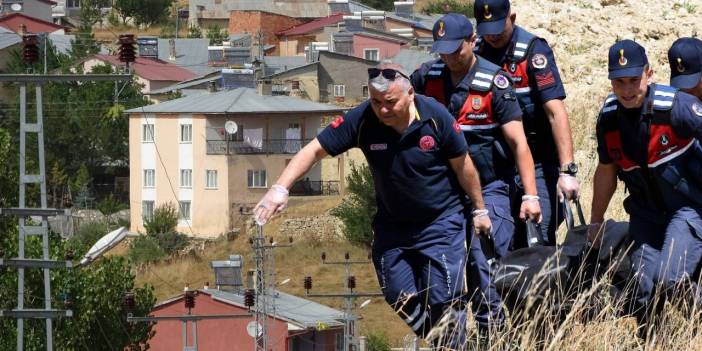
(545, 80)
(509, 96)
(697, 108)
(539, 61)
(337, 122)
(501, 81)
(456, 127)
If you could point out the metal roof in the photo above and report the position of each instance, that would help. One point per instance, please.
(189, 83)
(277, 64)
(33, 25)
(191, 54)
(62, 42)
(303, 312)
(239, 100)
(8, 38)
(411, 59)
(152, 69)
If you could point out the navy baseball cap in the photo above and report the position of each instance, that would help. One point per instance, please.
(626, 59)
(449, 32)
(685, 59)
(491, 16)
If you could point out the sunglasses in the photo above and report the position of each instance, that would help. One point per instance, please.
(388, 73)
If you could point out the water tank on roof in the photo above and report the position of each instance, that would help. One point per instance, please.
(228, 273)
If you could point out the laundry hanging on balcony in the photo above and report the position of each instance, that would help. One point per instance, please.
(254, 137)
(293, 142)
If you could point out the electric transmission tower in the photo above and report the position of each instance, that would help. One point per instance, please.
(349, 296)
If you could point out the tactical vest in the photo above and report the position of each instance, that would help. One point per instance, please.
(536, 124)
(670, 179)
(486, 143)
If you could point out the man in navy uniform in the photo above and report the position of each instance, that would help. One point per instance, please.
(480, 96)
(422, 172)
(531, 64)
(685, 59)
(649, 135)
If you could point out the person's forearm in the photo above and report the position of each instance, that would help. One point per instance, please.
(604, 185)
(560, 128)
(301, 163)
(470, 182)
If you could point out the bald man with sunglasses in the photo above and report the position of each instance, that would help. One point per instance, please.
(422, 171)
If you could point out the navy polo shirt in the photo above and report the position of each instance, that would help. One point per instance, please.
(685, 118)
(505, 107)
(547, 89)
(414, 182)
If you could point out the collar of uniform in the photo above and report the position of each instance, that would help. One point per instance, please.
(647, 106)
(422, 114)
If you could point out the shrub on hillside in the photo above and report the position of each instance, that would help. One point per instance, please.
(145, 249)
(464, 7)
(378, 341)
(171, 242)
(87, 235)
(110, 205)
(164, 220)
(359, 207)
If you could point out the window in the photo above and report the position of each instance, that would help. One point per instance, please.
(186, 178)
(147, 210)
(371, 54)
(364, 89)
(186, 133)
(339, 90)
(211, 179)
(293, 125)
(295, 85)
(257, 178)
(184, 207)
(149, 178)
(147, 133)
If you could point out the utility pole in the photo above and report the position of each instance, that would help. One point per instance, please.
(349, 296)
(265, 283)
(24, 210)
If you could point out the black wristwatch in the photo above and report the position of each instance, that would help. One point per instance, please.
(570, 169)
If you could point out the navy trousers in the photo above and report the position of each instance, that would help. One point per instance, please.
(421, 273)
(551, 211)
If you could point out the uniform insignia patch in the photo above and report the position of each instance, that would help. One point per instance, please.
(487, 14)
(441, 32)
(337, 122)
(456, 127)
(545, 80)
(426, 143)
(476, 103)
(512, 67)
(622, 59)
(501, 81)
(697, 108)
(664, 140)
(378, 147)
(539, 61)
(680, 66)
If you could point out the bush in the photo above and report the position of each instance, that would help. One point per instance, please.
(110, 205)
(378, 341)
(171, 242)
(164, 220)
(464, 7)
(145, 249)
(358, 209)
(194, 32)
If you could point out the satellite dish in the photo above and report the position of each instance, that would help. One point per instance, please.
(253, 327)
(16, 7)
(105, 243)
(231, 127)
(365, 303)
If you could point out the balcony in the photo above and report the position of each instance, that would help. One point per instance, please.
(267, 147)
(313, 188)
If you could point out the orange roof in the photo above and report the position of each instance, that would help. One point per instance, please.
(34, 25)
(314, 25)
(152, 68)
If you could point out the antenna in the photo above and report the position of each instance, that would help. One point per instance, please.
(231, 127)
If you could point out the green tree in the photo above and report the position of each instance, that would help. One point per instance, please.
(194, 32)
(126, 8)
(386, 5)
(95, 293)
(445, 6)
(357, 210)
(84, 43)
(216, 35)
(152, 11)
(378, 341)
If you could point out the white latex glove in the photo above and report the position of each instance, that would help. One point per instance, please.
(568, 187)
(530, 208)
(273, 202)
(481, 222)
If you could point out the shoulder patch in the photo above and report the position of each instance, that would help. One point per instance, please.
(501, 81)
(697, 108)
(337, 122)
(539, 61)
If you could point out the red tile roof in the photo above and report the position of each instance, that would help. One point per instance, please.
(314, 25)
(49, 2)
(34, 25)
(152, 68)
